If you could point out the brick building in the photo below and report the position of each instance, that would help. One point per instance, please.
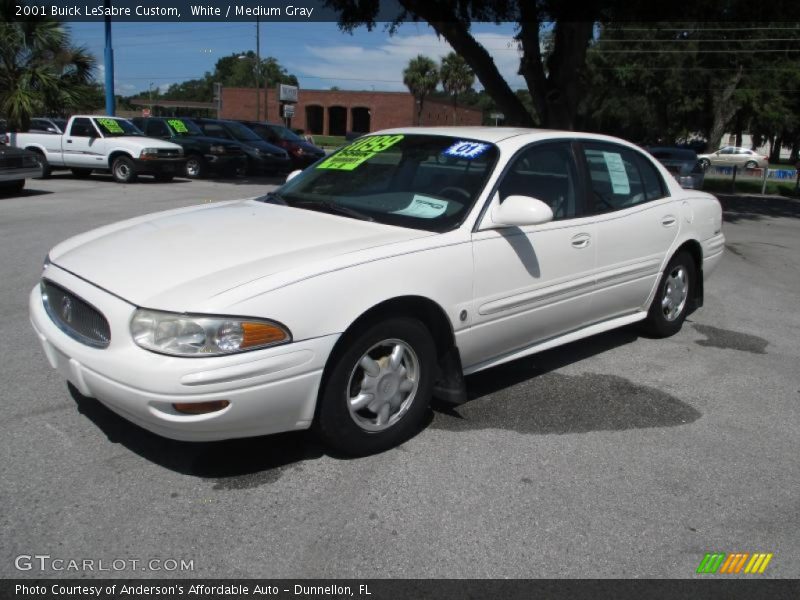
(336, 112)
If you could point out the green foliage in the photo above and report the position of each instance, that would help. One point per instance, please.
(41, 72)
(237, 70)
(421, 77)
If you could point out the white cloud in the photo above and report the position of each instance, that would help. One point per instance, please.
(350, 66)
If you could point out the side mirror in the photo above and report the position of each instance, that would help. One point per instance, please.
(293, 174)
(517, 211)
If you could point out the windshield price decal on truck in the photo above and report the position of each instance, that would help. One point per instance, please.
(355, 154)
(178, 125)
(110, 125)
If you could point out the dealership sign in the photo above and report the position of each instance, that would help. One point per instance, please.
(287, 93)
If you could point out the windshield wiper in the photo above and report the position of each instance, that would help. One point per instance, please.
(330, 207)
(273, 198)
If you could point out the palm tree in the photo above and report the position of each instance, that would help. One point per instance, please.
(457, 78)
(421, 78)
(40, 70)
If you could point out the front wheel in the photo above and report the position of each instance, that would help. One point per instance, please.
(195, 167)
(673, 296)
(750, 164)
(705, 164)
(123, 170)
(377, 388)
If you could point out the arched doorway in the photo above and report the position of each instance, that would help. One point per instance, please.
(337, 120)
(360, 117)
(315, 116)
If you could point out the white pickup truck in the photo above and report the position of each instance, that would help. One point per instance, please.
(99, 143)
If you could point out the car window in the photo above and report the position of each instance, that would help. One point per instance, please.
(621, 178)
(82, 128)
(156, 128)
(546, 172)
(427, 182)
(727, 150)
(215, 130)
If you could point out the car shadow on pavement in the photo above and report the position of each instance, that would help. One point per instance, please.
(529, 396)
(737, 208)
(232, 464)
(25, 193)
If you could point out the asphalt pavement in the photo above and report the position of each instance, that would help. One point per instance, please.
(615, 456)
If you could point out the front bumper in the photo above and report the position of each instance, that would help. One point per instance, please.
(269, 391)
(159, 166)
(269, 163)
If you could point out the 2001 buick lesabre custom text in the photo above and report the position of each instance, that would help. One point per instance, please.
(373, 280)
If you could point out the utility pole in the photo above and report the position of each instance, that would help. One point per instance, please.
(109, 62)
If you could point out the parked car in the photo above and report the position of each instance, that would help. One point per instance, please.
(262, 157)
(301, 153)
(15, 166)
(350, 295)
(100, 143)
(4, 135)
(730, 156)
(203, 154)
(682, 163)
(48, 125)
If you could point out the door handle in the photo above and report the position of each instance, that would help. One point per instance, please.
(668, 221)
(69, 141)
(581, 240)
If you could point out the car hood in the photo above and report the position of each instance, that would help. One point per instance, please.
(179, 259)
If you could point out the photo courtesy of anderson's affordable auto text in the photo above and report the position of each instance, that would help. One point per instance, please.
(399, 299)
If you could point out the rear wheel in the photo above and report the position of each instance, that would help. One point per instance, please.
(673, 296)
(81, 173)
(750, 164)
(195, 167)
(46, 170)
(123, 170)
(377, 387)
(704, 164)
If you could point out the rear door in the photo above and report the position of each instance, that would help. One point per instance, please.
(636, 223)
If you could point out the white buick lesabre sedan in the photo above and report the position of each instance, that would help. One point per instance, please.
(372, 281)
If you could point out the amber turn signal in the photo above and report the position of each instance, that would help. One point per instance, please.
(259, 334)
(200, 408)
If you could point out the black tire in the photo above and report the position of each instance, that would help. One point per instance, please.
(750, 164)
(46, 169)
(165, 177)
(333, 421)
(196, 167)
(660, 322)
(12, 187)
(705, 164)
(123, 170)
(81, 173)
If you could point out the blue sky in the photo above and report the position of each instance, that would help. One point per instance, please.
(319, 54)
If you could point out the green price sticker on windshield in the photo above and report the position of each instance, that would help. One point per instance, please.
(356, 153)
(178, 125)
(110, 125)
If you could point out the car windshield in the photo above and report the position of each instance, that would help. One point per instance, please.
(111, 127)
(425, 182)
(184, 127)
(242, 133)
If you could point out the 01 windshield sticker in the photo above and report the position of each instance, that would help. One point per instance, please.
(468, 150)
(110, 125)
(353, 155)
(423, 207)
(178, 125)
(617, 173)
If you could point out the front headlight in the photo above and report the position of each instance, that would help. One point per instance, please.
(217, 150)
(148, 153)
(203, 335)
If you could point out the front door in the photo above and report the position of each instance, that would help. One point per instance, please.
(83, 146)
(532, 283)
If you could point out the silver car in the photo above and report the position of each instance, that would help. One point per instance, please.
(730, 156)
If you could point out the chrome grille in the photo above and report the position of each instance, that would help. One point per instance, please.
(74, 316)
(166, 153)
